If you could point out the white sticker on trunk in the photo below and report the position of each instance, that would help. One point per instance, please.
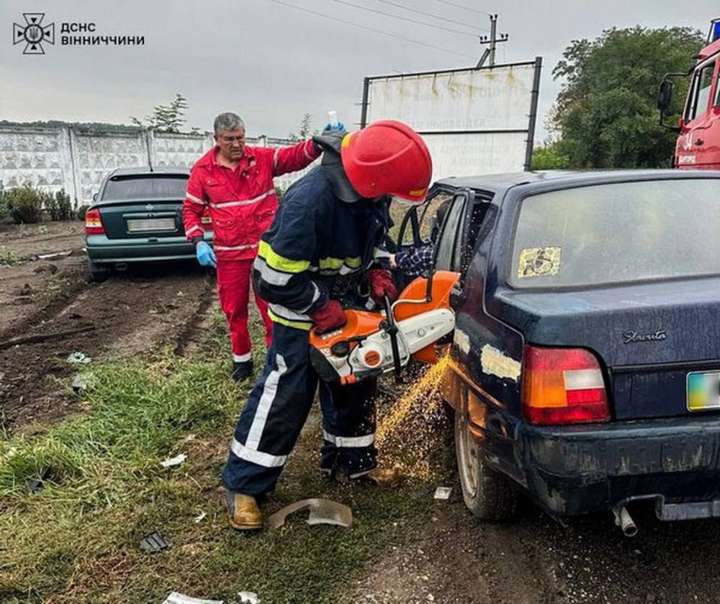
(495, 362)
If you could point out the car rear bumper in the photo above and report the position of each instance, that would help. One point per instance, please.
(102, 250)
(578, 469)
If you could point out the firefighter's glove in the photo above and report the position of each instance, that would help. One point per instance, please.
(381, 285)
(328, 317)
(340, 128)
(205, 254)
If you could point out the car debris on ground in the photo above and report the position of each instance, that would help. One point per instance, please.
(78, 358)
(442, 493)
(153, 543)
(173, 462)
(322, 511)
(178, 598)
(248, 597)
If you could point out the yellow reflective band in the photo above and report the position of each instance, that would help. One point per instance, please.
(280, 263)
(295, 324)
(337, 263)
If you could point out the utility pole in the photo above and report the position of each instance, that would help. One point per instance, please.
(492, 41)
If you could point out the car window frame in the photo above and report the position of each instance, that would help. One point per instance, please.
(693, 96)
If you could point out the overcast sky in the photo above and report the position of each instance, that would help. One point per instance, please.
(272, 63)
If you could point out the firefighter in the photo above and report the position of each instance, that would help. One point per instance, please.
(234, 183)
(318, 257)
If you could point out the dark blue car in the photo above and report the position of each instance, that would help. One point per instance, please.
(585, 367)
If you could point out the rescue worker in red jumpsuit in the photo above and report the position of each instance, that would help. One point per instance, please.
(235, 183)
(323, 252)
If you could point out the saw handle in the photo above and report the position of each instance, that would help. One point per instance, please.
(392, 330)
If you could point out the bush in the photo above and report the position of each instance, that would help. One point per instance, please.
(4, 212)
(58, 206)
(25, 204)
(80, 212)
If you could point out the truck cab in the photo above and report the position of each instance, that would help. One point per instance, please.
(698, 142)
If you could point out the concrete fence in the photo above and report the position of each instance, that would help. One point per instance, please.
(76, 159)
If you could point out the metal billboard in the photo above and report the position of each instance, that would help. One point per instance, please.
(474, 120)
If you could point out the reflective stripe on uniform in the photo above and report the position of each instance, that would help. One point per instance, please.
(257, 457)
(276, 318)
(228, 248)
(278, 262)
(266, 400)
(342, 266)
(275, 158)
(270, 275)
(195, 199)
(242, 358)
(305, 149)
(194, 228)
(349, 441)
(241, 202)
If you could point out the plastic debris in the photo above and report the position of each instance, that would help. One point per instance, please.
(322, 511)
(153, 543)
(178, 598)
(173, 462)
(54, 255)
(200, 517)
(248, 597)
(81, 383)
(78, 358)
(442, 493)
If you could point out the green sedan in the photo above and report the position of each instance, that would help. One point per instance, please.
(137, 217)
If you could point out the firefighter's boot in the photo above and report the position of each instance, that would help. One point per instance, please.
(243, 511)
(382, 477)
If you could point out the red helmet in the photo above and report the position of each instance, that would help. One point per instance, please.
(387, 158)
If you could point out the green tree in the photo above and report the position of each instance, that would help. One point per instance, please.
(549, 157)
(165, 118)
(305, 131)
(606, 112)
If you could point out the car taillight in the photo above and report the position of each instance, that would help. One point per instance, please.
(563, 386)
(93, 224)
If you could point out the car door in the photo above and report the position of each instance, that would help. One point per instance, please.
(698, 145)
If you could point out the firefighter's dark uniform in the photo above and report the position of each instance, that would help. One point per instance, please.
(317, 247)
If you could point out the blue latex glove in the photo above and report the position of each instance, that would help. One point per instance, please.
(205, 254)
(330, 128)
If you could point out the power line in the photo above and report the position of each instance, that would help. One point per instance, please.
(472, 10)
(372, 29)
(434, 16)
(407, 19)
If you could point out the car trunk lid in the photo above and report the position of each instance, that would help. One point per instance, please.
(142, 219)
(660, 342)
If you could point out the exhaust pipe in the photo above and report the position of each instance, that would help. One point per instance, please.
(625, 522)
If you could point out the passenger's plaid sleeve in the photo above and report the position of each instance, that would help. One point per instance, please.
(415, 261)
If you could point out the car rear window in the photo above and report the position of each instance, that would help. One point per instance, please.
(617, 233)
(145, 187)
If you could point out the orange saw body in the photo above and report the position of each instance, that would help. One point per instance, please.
(373, 342)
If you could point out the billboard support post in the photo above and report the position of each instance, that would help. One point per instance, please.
(533, 114)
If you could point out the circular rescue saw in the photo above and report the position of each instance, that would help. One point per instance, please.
(374, 342)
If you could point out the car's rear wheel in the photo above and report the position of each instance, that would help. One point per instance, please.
(97, 273)
(488, 494)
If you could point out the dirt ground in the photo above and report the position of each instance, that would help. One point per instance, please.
(45, 293)
(455, 560)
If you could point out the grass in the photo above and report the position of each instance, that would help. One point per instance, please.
(7, 257)
(76, 539)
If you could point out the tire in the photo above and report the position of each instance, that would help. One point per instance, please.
(97, 273)
(488, 494)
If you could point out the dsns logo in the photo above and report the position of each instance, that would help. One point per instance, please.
(33, 33)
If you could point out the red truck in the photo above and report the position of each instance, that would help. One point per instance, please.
(698, 143)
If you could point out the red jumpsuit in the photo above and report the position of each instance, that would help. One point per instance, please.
(242, 204)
